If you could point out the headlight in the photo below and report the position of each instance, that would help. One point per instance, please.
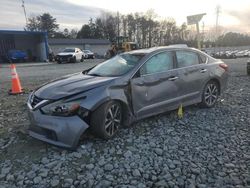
(61, 108)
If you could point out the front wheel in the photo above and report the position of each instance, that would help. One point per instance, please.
(74, 59)
(82, 59)
(106, 120)
(210, 94)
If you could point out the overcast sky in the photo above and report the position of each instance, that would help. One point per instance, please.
(74, 13)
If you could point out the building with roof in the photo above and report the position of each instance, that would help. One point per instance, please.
(98, 46)
(34, 43)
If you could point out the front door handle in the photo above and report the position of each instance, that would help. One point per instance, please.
(139, 83)
(173, 78)
(148, 83)
(203, 70)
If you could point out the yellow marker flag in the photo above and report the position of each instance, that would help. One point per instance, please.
(180, 112)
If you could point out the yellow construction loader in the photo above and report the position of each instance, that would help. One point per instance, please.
(121, 45)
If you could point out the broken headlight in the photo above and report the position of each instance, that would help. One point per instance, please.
(62, 108)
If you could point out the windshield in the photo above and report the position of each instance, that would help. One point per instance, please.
(86, 51)
(117, 65)
(69, 50)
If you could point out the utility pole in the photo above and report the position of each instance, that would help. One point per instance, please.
(24, 10)
(198, 35)
(203, 32)
(218, 11)
(118, 28)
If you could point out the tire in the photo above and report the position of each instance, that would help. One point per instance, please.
(82, 59)
(74, 59)
(210, 94)
(102, 124)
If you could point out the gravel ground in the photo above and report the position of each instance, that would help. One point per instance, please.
(207, 148)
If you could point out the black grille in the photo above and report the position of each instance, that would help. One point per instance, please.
(35, 100)
(64, 57)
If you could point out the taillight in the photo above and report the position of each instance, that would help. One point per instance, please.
(224, 66)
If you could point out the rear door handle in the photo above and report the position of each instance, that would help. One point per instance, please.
(173, 78)
(203, 70)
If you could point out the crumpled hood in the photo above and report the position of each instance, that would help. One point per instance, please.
(69, 85)
(65, 53)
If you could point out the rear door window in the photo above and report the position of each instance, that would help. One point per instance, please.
(186, 58)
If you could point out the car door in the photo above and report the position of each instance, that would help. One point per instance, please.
(155, 88)
(192, 73)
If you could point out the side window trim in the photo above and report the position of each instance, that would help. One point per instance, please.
(175, 59)
(201, 62)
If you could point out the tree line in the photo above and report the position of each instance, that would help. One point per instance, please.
(143, 28)
(233, 39)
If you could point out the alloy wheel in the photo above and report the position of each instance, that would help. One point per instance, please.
(113, 119)
(211, 94)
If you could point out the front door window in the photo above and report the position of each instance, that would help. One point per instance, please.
(158, 63)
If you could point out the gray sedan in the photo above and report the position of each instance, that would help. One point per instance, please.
(121, 90)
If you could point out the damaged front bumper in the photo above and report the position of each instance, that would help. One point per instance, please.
(60, 131)
(63, 59)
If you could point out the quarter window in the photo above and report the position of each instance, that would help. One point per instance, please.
(185, 58)
(158, 63)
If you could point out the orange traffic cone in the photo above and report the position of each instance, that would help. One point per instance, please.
(16, 85)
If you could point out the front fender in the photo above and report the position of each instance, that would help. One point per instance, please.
(100, 95)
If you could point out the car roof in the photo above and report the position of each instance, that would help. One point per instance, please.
(153, 49)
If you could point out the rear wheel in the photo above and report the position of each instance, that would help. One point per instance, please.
(210, 94)
(106, 120)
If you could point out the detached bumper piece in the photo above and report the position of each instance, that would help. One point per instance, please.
(60, 131)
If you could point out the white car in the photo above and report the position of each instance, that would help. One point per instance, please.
(247, 53)
(241, 53)
(70, 55)
(89, 54)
